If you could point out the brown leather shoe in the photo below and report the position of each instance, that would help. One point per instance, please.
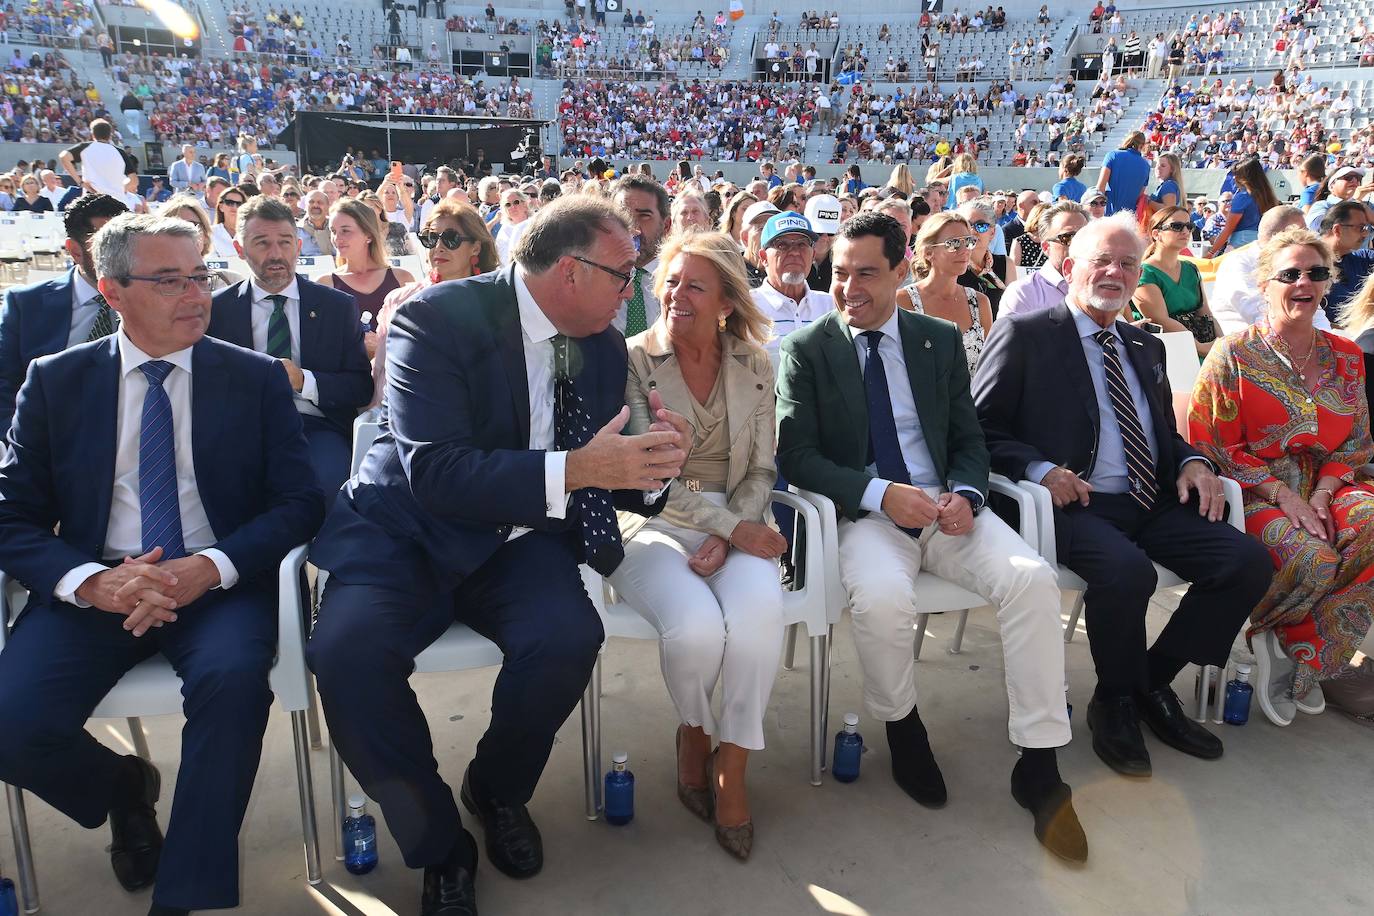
(739, 839)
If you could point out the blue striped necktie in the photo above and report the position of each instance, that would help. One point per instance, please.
(1140, 466)
(158, 505)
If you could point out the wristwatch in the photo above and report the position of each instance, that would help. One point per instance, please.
(975, 499)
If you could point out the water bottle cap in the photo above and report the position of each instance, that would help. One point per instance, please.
(1243, 670)
(851, 718)
(357, 802)
(620, 757)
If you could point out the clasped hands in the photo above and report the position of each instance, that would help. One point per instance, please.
(148, 590)
(1312, 515)
(645, 462)
(912, 507)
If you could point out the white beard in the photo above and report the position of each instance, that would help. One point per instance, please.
(792, 279)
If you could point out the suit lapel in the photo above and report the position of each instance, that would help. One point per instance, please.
(920, 369)
(838, 348)
(57, 314)
(1075, 364)
(307, 319)
(505, 315)
(238, 319)
(103, 391)
(209, 381)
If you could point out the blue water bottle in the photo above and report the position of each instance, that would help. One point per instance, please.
(849, 747)
(9, 903)
(620, 791)
(1238, 693)
(359, 837)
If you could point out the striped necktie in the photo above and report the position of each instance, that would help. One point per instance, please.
(1140, 467)
(278, 330)
(636, 318)
(106, 320)
(158, 505)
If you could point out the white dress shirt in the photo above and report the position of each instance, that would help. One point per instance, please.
(124, 534)
(788, 315)
(920, 466)
(652, 307)
(308, 398)
(102, 167)
(84, 309)
(510, 234)
(1236, 301)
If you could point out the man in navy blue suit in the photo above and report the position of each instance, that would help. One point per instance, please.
(312, 329)
(497, 471)
(51, 316)
(154, 482)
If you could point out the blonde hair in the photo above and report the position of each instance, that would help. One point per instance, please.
(734, 210)
(1175, 174)
(964, 162)
(930, 230)
(1289, 238)
(1358, 313)
(745, 320)
(368, 222)
(901, 179)
(175, 205)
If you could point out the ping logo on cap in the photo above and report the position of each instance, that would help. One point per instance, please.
(827, 214)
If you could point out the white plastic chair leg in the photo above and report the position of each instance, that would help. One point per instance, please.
(957, 646)
(305, 787)
(139, 738)
(1077, 612)
(921, 620)
(789, 654)
(23, 851)
(819, 651)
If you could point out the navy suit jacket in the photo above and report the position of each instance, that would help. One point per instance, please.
(331, 344)
(35, 320)
(251, 459)
(452, 470)
(1036, 400)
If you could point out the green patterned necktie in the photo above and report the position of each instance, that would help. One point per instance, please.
(106, 321)
(278, 330)
(636, 320)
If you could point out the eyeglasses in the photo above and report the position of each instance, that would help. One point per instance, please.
(449, 237)
(1097, 202)
(1174, 226)
(291, 195)
(1364, 229)
(230, 202)
(174, 285)
(982, 226)
(622, 277)
(1063, 238)
(952, 245)
(1291, 275)
(510, 204)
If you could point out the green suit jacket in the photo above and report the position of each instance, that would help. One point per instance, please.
(823, 410)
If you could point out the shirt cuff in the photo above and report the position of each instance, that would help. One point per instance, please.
(1036, 470)
(651, 498)
(68, 584)
(1210, 466)
(555, 478)
(969, 492)
(310, 391)
(228, 572)
(872, 500)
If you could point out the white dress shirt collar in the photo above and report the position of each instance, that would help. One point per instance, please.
(533, 321)
(131, 357)
(291, 292)
(82, 291)
(1087, 327)
(889, 328)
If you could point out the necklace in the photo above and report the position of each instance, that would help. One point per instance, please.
(1298, 366)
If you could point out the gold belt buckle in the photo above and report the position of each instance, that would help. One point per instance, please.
(692, 484)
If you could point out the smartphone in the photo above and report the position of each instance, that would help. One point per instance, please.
(396, 173)
(1153, 328)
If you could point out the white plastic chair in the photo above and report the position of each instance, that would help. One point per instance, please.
(1182, 367)
(314, 266)
(934, 595)
(152, 688)
(1070, 581)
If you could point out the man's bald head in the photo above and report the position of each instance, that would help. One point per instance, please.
(1277, 219)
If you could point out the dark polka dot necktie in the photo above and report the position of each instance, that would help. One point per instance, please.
(573, 428)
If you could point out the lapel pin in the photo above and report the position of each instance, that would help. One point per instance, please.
(927, 345)
(312, 314)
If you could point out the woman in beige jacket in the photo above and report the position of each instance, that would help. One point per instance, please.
(704, 572)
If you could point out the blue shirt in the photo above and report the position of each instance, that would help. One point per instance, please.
(1069, 188)
(1129, 175)
(1167, 186)
(961, 180)
(1308, 195)
(1244, 204)
(1354, 268)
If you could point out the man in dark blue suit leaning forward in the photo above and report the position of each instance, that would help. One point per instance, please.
(498, 470)
(313, 330)
(155, 479)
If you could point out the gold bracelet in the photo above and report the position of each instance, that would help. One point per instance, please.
(1274, 496)
(1330, 494)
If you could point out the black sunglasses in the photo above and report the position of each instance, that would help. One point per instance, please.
(1291, 275)
(1174, 226)
(1064, 238)
(449, 237)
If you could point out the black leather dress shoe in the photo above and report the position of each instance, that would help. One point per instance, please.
(913, 763)
(1056, 823)
(512, 839)
(1117, 740)
(449, 890)
(158, 909)
(136, 839)
(1161, 710)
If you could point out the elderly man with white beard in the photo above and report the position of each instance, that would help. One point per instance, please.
(788, 249)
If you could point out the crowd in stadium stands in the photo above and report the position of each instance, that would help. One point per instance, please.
(685, 120)
(582, 51)
(67, 23)
(43, 101)
(490, 23)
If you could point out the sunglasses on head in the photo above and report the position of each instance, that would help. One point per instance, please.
(450, 238)
(1174, 226)
(952, 245)
(1291, 275)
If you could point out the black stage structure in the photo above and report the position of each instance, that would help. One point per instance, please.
(320, 138)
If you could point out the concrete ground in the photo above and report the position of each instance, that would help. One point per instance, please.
(1281, 824)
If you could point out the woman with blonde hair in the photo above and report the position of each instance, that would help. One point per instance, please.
(1170, 193)
(704, 571)
(360, 251)
(901, 179)
(963, 173)
(731, 220)
(397, 237)
(1170, 291)
(1026, 253)
(1280, 407)
(941, 255)
(187, 208)
(457, 245)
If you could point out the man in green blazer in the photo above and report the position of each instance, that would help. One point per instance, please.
(874, 411)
